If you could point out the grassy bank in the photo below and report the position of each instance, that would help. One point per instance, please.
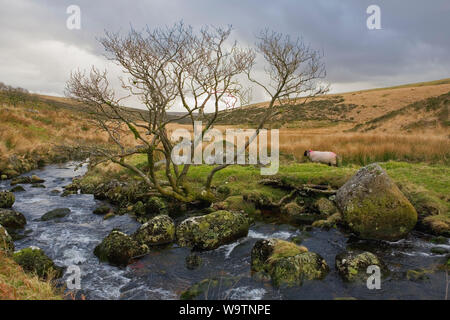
(15, 284)
(426, 185)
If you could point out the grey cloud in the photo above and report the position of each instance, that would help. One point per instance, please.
(37, 51)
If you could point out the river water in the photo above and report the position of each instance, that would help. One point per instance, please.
(162, 274)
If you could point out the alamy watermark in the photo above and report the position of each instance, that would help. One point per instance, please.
(73, 22)
(73, 281)
(374, 280)
(374, 20)
(229, 149)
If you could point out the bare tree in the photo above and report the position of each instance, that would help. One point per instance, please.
(294, 73)
(165, 66)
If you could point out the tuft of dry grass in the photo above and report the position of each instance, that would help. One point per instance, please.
(15, 284)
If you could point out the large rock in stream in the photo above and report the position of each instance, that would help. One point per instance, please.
(12, 219)
(119, 248)
(7, 199)
(212, 230)
(287, 263)
(157, 231)
(374, 207)
(35, 260)
(353, 265)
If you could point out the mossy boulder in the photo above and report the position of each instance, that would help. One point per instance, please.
(212, 230)
(325, 206)
(260, 200)
(352, 265)
(235, 203)
(6, 242)
(55, 214)
(7, 199)
(292, 210)
(34, 260)
(287, 263)
(102, 210)
(374, 207)
(12, 219)
(331, 222)
(119, 248)
(155, 206)
(157, 231)
(149, 208)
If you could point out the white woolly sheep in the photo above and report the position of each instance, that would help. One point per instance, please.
(326, 157)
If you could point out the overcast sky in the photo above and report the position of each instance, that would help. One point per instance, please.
(38, 51)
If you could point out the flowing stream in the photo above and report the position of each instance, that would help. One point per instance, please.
(162, 274)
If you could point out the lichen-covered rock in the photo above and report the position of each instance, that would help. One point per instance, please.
(158, 230)
(118, 249)
(55, 214)
(287, 263)
(373, 206)
(325, 206)
(212, 230)
(6, 242)
(34, 260)
(12, 219)
(352, 265)
(7, 199)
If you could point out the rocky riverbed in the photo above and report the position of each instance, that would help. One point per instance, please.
(414, 264)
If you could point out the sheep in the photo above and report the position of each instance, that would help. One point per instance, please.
(327, 157)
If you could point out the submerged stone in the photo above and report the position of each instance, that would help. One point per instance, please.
(56, 214)
(193, 261)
